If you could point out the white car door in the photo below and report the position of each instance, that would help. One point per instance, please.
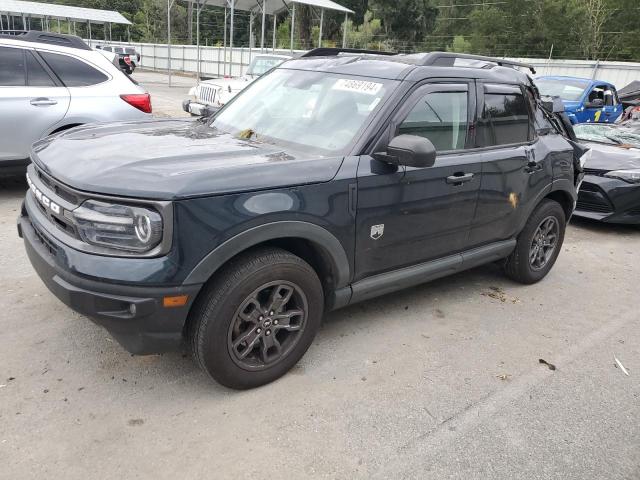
(31, 102)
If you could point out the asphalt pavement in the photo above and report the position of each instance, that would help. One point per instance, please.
(439, 381)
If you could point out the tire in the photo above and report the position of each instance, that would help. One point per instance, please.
(519, 266)
(217, 326)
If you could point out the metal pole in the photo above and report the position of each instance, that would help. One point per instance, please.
(169, 4)
(344, 36)
(68, 26)
(275, 20)
(109, 31)
(59, 31)
(264, 13)
(321, 22)
(89, 25)
(128, 34)
(74, 27)
(250, 36)
(198, 36)
(293, 24)
(233, 9)
(104, 30)
(224, 65)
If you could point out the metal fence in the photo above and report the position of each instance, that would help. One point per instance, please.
(220, 61)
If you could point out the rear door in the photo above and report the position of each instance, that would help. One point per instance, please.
(32, 102)
(612, 105)
(514, 169)
(408, 215)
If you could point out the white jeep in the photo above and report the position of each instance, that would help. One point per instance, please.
(210, 95)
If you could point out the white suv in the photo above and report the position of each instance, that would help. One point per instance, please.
(52, 82)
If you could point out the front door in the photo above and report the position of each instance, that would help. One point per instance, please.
(409, 215)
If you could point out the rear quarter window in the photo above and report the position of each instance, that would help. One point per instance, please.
(72, 71)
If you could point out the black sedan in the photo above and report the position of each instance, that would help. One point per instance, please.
(610, 191)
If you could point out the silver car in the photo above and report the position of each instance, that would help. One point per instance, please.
(52, 82)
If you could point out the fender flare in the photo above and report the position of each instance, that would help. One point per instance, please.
(318, 236)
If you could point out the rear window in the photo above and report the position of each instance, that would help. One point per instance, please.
(12, 72)
(37, 76)
(505, 120)
(73, 72)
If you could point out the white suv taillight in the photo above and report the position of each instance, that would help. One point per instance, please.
(141, 101)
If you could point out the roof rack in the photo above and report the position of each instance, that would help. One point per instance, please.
(333, 52)
(447, 59)
(49, 38)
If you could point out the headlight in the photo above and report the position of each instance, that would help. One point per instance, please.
(631, 176)
(123, 227)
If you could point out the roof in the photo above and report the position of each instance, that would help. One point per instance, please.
(580, 79)
(272, 6)
(632, 90)
(401, 66)
(39, 10)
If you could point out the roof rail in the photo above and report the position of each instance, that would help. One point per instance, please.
(447, 59)
(333, 52)
(49, 38)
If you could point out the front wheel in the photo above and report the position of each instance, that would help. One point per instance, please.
(257, 318)
(538, 244)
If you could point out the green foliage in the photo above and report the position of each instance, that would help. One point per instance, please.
(459, 45)
(597, 29)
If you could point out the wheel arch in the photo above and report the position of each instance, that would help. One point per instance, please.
(311, 242)
(65, 127)
(565, 200)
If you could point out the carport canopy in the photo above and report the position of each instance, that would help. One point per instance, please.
(271, 7)
(47, 11)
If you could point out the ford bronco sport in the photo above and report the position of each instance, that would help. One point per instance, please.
(356, 175)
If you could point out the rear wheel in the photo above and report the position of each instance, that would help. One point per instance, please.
(257, 318)
(538, 244)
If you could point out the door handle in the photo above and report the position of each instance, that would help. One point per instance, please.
(460, 178)
(533, 167)
(43, 102)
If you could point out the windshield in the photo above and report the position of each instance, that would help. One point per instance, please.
(309, 110)
(570, 90)
(261, 65)
(607, 134)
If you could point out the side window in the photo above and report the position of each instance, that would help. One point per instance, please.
(597, 93)
(610, 97)
(505, 120)
(36, 74)
(12, 72)
(73, 72)
(441, 117)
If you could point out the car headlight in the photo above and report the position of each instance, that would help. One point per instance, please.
(122, 227)
(631, 176)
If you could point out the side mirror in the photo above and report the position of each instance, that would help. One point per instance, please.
(409, 150)
(552, 104)
(596, 103)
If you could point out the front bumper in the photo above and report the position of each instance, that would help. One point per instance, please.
(609, 200)
(133, 315)
(199, 109)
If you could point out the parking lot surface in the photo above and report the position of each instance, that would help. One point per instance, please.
(438, 381)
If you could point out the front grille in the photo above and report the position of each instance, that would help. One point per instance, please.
(58, 220)
(592, 199)
(207, 94)
(57, 188)
(48, 244)
(595, 171)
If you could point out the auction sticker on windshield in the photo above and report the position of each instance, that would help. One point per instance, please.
(360, 86)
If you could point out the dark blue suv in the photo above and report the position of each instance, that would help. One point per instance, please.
(332, 179)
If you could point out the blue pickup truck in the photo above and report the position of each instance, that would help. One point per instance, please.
(585, 100)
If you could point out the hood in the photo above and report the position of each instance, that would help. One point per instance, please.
(570, 106)
(172, 159)
(611, 157)
(236, 84)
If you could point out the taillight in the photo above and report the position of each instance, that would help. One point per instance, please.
(142, 101)
(127, 60)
